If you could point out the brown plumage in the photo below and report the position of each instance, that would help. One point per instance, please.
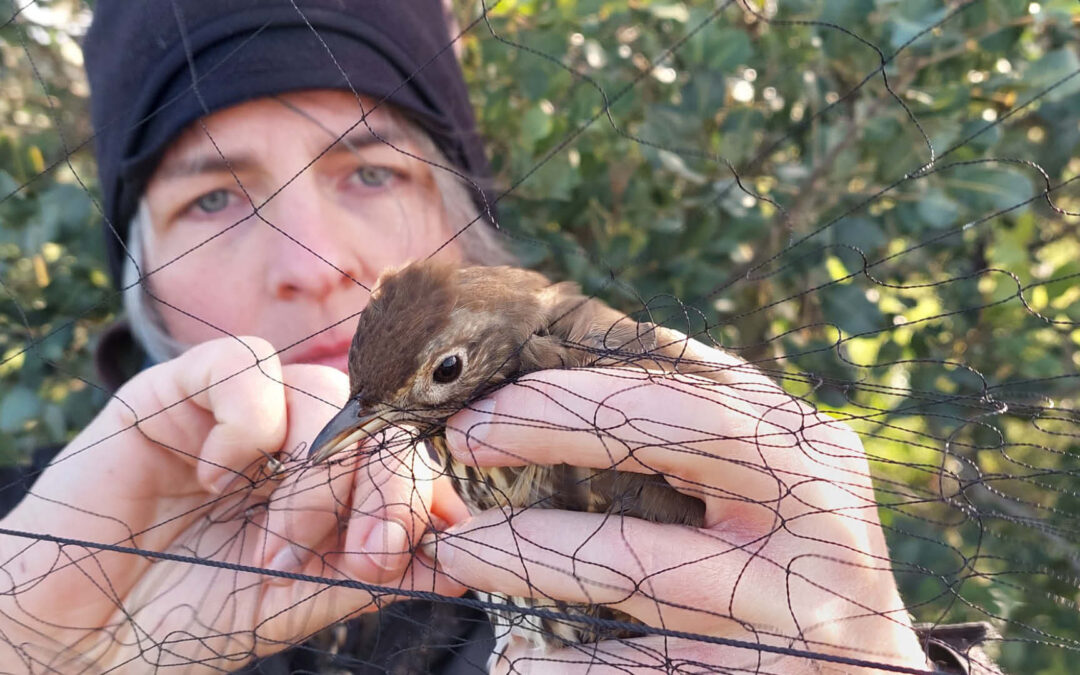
(435, 337)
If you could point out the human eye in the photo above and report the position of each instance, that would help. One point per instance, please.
(213, 201)
(213, 205)
(372, 176)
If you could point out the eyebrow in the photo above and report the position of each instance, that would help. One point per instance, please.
(209, 160)
(358, 140)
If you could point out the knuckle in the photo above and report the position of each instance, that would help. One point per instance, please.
(246, 353)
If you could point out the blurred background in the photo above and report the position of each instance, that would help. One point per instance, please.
(873, 200)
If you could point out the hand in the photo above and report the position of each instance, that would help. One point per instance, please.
(791, 554)
(178, 462)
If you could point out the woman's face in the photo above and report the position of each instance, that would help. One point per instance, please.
(258, 221)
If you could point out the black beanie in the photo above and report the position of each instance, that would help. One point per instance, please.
(141, 54)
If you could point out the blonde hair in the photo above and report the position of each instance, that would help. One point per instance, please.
(478, 240)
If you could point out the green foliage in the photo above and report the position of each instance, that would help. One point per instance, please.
(915, 286)
(913, 279)
(55, 293)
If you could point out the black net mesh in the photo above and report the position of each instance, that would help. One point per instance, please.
(844, 234)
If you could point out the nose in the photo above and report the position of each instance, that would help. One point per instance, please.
(309, 254)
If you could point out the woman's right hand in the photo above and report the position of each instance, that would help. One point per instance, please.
(178, 462)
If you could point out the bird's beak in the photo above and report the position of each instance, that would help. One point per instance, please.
(352, 424)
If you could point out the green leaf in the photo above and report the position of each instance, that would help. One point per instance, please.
(53, 417)
(556, 179)
(986, 188)
(903, 30)
(845, 12)
(1061, 65)
(535, 125)
(8, 185)
(846, 306)
(1066, 277)
(936, 209)
(862, 233)
(65, 210)
(19, 406)
(726, 49)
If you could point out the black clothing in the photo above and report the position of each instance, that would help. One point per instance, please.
(416, 637)
(405, 638)
(156, 66)
(957, 648)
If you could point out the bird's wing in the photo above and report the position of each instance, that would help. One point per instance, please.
(593, 334)
(576, 331)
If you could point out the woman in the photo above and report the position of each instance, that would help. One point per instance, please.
(261, 163)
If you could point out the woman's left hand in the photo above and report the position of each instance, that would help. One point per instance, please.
(791, 555)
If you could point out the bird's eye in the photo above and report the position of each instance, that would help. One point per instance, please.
(448, 370)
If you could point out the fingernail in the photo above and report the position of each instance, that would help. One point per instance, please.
(284, 560)
(476, 434)
(437, 549)
(429, 545)
(386, 543)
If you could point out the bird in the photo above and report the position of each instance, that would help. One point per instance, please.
(436, 336)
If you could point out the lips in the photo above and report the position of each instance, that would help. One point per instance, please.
(325, 352)
(339, 361)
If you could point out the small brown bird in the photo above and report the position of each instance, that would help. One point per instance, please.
(435, 337)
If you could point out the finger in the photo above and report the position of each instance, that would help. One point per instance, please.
(830, 450)
(183, 428)
(394, 489)
(755, 387)
(692, 357)
(592, 559)
(299, 608)
(446, 506)
(703, 436)
(751, 384)
(665, 575)
(650, 655)
(140, 472)
(371, 542)
(308, 505)
(220, 406)
(401, 494)
(360, 517)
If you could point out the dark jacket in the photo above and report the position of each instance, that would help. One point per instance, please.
(415, 637)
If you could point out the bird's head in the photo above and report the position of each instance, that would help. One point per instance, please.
(432, 338)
